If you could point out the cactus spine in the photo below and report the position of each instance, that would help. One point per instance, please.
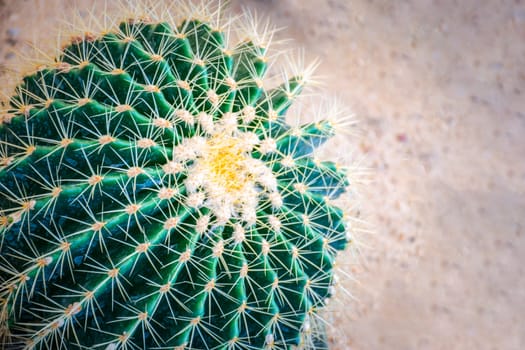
(152, 196)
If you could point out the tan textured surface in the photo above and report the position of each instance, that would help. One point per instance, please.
(438, 87)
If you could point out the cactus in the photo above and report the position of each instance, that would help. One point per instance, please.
(153, 196)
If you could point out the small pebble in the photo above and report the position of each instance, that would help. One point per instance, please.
(12, 35)
(401, 138)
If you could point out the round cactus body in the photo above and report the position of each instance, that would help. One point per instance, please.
(152, 196)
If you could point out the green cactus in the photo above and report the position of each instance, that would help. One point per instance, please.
(152, 196)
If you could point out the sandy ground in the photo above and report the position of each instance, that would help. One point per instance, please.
(438, 87)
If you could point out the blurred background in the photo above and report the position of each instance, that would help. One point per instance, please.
(438, 88)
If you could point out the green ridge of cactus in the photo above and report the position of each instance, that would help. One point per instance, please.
(152, 196)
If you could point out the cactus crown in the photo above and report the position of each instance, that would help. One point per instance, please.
(152, 196)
